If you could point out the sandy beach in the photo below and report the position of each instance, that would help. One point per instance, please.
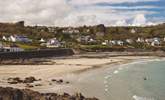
(61, 67)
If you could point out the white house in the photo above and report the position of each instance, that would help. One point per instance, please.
(12, 38)
(155, 43)
(148, 40)
(53, 43)
(85, 39)
(42, 40)
(112, 42)
(133, 31)
(104, 43)
(4, 38)
(13, 48)
(119, 42)
(91, 40)
(140, 40)
(129, 41)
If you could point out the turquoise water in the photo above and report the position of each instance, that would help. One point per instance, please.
(135, 81)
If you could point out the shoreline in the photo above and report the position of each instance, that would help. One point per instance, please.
(61, 67)
(73, 64)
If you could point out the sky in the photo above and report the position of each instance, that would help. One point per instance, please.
(83, 12)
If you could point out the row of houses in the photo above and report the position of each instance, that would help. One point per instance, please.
(51, 43)
(86, 39)
(10, 48)
(149, 41)
(16, 38)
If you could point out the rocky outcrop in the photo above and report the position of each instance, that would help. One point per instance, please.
(17, 80)
(25, 94)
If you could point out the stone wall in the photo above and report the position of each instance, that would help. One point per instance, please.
(36, 54)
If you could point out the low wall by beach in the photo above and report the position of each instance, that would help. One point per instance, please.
(36, 54)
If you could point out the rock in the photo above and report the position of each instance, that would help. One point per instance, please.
(30, 80)
(29, 86)
(39, 79)
(67, 82)
(145, 78)
(14, 80)
(17, 80)
(38, 85)
(26, 94)
(54, 80)
(60, 81)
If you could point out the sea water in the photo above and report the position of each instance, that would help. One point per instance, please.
(144, 80)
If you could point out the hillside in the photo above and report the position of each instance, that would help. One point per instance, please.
(110, 32)
(19, 29)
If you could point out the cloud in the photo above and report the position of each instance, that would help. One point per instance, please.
(89, 2)
(75, 12)
(34, 11)
(139, 20)
(120, 23)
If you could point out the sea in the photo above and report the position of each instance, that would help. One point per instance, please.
(139, 80)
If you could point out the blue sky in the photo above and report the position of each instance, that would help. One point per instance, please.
(153, 6)
(83, 12)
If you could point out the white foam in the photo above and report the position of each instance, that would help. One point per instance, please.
(108, 76)
(135, 97)
(106, 90)
(116, 72)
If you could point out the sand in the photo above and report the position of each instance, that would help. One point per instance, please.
(61, 67)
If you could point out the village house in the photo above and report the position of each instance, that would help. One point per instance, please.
(156, 42)
(85, 39)
(53, 43)
(129, 41)
(19, 38)
(4, 38)
(148, 41)
(120, 42)
(91, 40)
(12, 48)
(106, 42)
(42, 40)
(140, 40)
(112, 42)
(133, 31)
